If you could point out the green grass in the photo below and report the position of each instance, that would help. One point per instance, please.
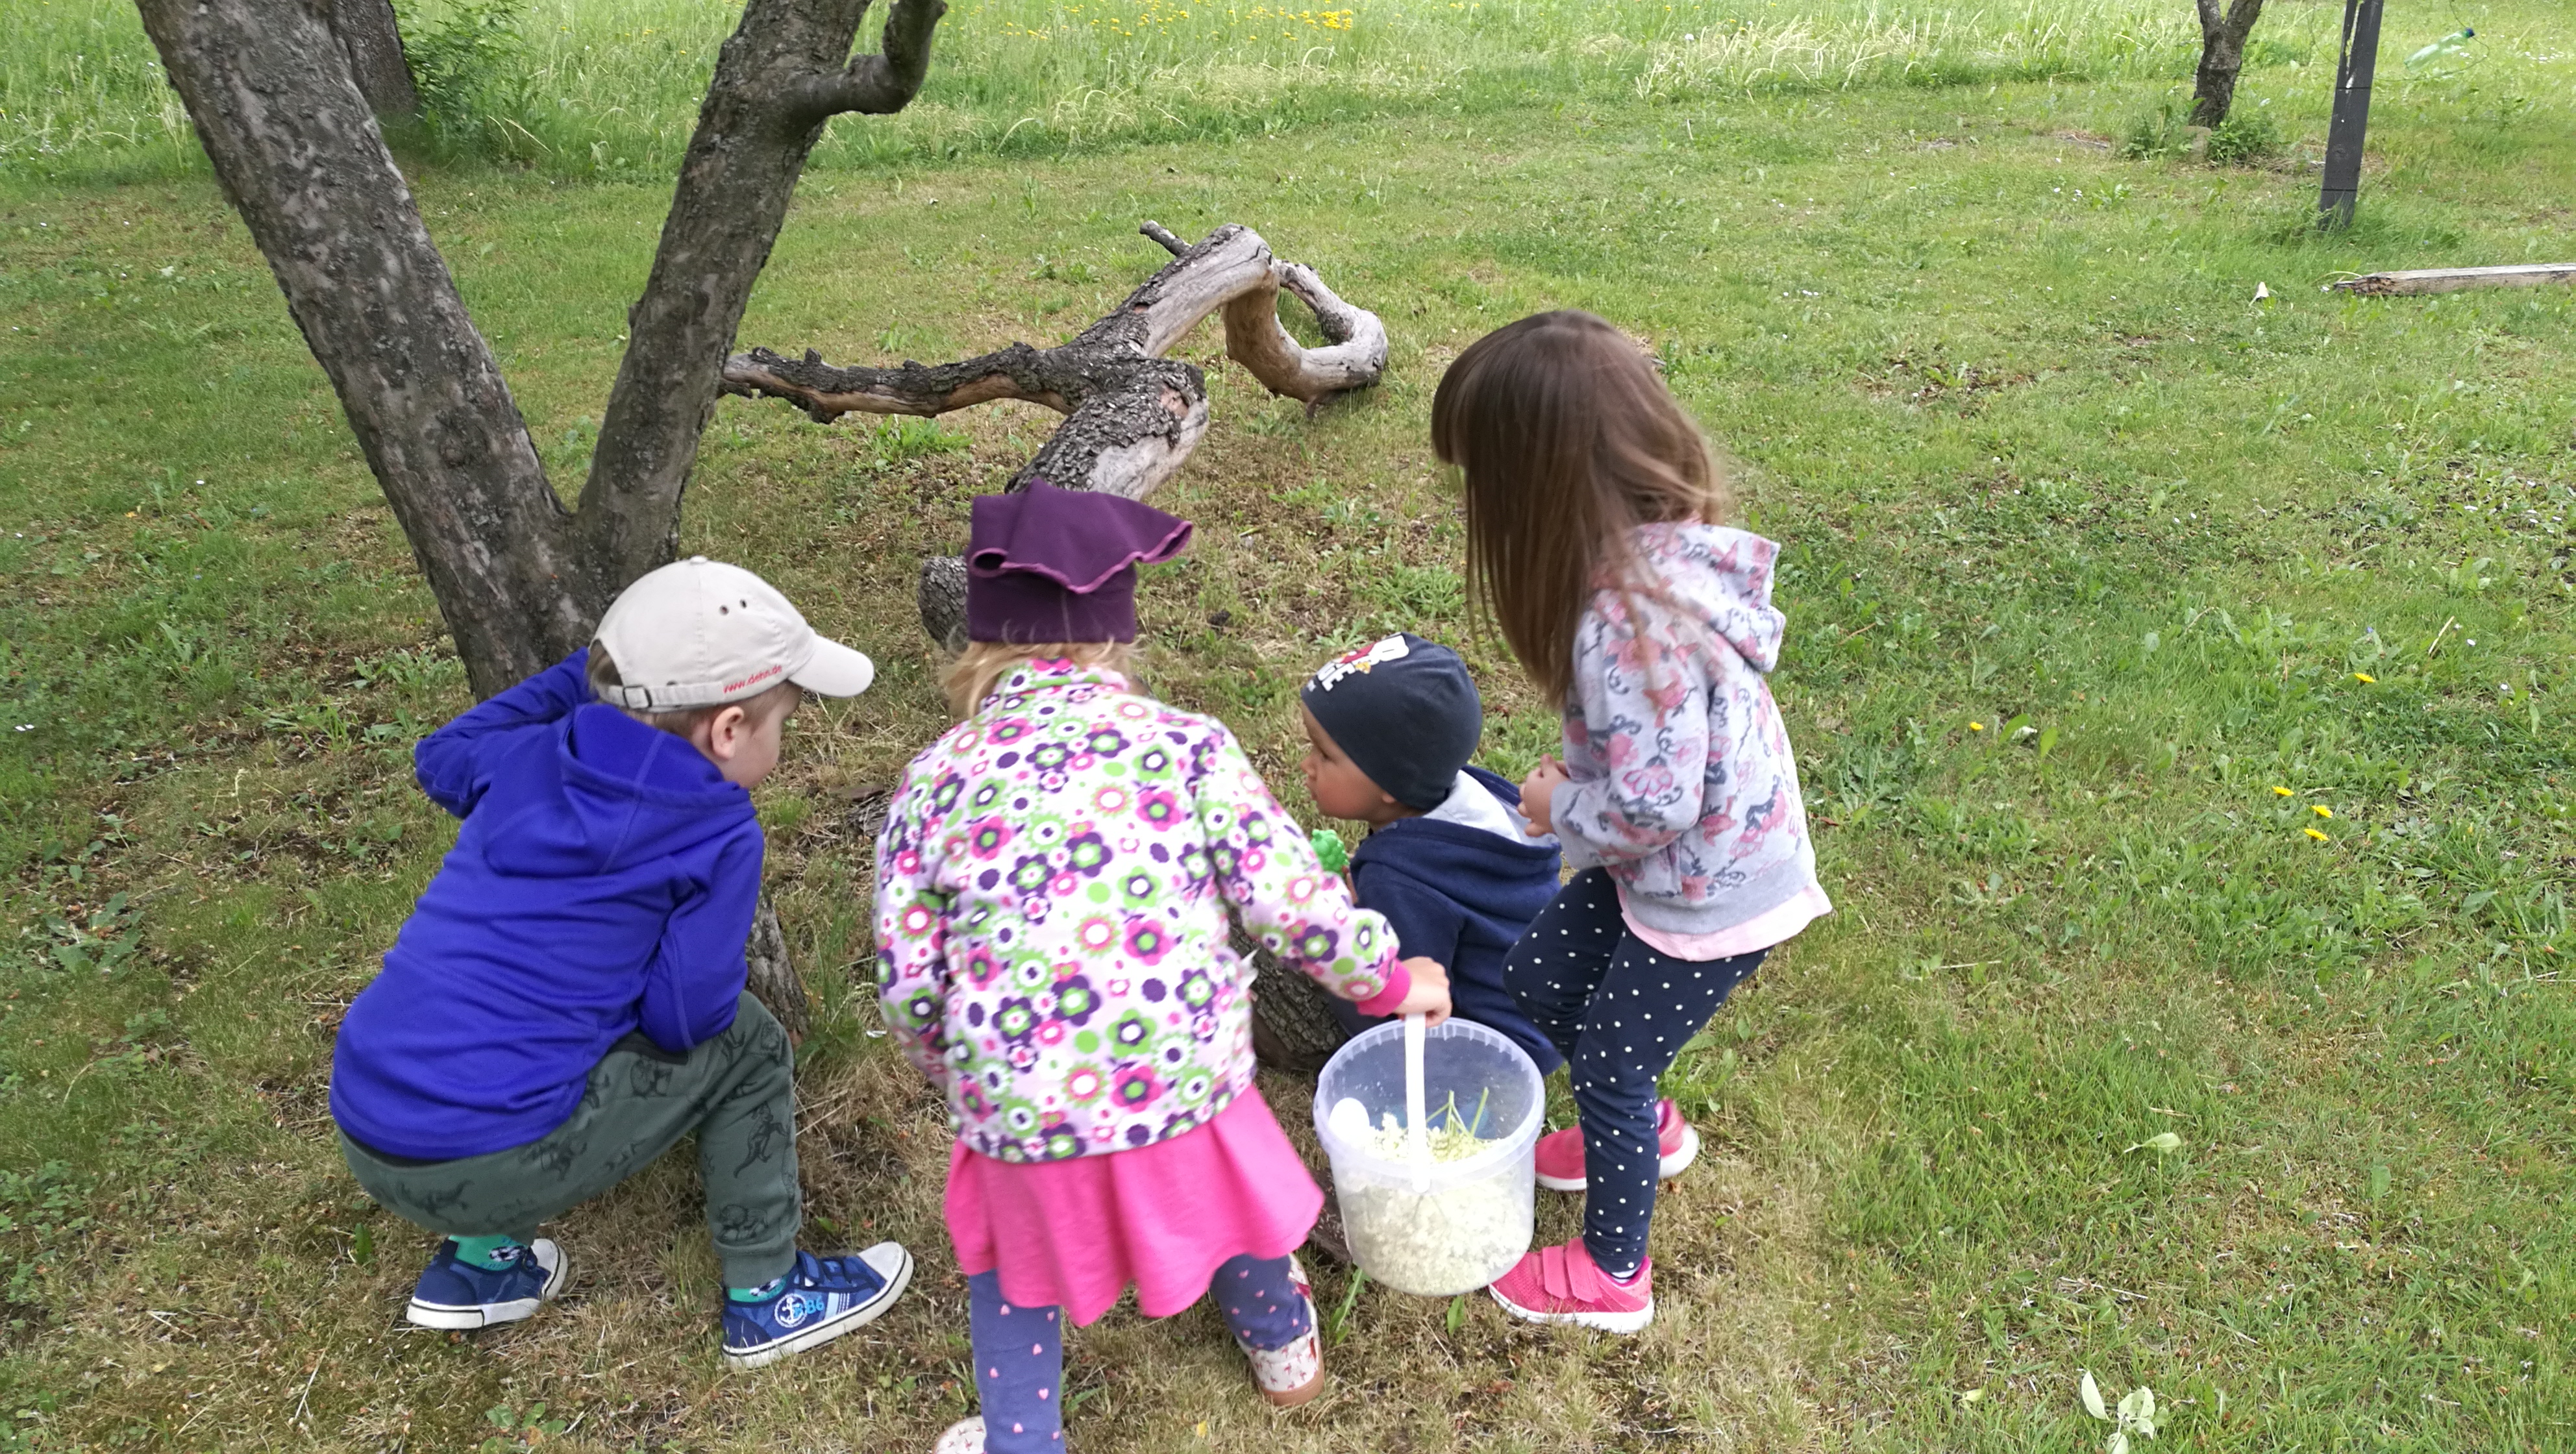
(612, 89)
(2039, 460)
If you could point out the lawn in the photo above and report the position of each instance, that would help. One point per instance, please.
(2181, 683)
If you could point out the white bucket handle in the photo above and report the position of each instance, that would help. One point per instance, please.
(1416, 1134)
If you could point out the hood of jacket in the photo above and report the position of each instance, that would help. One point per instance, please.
(1720, 575)
(621, 793)
(1484, 871)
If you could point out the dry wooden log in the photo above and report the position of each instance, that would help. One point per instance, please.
(1131, 415)
(2452, 280)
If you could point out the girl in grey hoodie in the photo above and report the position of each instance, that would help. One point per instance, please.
(1590, 502)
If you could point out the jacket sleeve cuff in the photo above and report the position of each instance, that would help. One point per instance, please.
(1399, 983)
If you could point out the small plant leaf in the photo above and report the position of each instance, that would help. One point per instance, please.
(2091, 1393)
(2119, 1442)
(2138, 1411)
(2163, 1143)
(1971, 1396)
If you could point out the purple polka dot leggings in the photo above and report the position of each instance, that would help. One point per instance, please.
(1619, 1012)
(1019, 1350)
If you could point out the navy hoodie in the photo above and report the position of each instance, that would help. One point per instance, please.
(1461, 894)
(603, 883)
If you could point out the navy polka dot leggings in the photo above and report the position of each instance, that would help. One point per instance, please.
(1019, 1350)
(1619, 1012)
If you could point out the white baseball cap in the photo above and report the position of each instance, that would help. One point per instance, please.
(700, 633)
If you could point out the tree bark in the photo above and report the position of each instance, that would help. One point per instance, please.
(1293, 1029)
(519, 578)
(376, 60)
(2222, 55)
(771, 976)
(297, 150)
(1131, 416)
(785, 72)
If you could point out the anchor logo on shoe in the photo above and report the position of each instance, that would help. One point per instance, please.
(796, 1307)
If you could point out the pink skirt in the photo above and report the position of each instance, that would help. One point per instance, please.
(1074, 1234)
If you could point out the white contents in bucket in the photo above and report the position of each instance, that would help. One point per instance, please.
(1454, 1238)
(1350, 1121)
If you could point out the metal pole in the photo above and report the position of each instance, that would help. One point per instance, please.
(2359, 58)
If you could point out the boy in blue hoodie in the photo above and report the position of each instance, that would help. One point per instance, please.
(1446, 860)
(567, 1000)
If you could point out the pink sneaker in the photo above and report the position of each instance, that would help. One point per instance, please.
(1560, 1153)
(1562, 1285)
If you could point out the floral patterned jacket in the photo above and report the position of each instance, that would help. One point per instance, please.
(1684, 786)
(1053, 883)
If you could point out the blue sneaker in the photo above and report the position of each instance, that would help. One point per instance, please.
(820, 1299)
(454, 1294)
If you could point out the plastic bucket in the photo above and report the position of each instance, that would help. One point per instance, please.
(1446, 1227)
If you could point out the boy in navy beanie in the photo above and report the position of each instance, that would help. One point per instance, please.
(1392, 726)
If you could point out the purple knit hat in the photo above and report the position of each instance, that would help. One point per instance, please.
(1060, 565)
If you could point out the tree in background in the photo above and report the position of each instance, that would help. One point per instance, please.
(2222, 55)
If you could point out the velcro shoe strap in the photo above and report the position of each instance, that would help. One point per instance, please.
(1583, 1273)
(1568, 1274)
(1552, 1274)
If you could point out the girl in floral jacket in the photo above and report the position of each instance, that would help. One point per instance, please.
(1054, 884)
(1592, 535)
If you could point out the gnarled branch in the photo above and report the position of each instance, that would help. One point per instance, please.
(1131, 416)
(879, 84)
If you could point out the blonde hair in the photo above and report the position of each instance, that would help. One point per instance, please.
(602, 673)
(982, 665)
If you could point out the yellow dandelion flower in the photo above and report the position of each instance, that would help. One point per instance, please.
(2321, 810)
(2279, 791)
(1976, 726)
(2313, 833)
(2365, 678)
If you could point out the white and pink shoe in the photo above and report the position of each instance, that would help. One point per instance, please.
(1295, 1374)
(1564, 1285)
(1560, 1153)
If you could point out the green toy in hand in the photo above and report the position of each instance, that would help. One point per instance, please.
(1329, 850)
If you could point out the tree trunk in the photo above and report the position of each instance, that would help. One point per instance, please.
(1131, 415)
(2222, 55)
(297, 149)
(784, 73)
(1293, 1029)
(771, 975)
(376, 61)
(520, 579)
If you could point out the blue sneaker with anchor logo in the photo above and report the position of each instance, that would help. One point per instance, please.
(818, 1300)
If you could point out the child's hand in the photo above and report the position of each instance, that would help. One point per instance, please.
(1429, 996)
(1538, 796)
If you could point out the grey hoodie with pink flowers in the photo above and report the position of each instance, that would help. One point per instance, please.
(1683, 784)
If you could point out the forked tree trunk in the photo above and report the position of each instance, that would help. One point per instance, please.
(376, 61)
(1131, 415)
(519, 578)
(2222, 55)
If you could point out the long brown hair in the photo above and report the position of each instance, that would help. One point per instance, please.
(1569, 441)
